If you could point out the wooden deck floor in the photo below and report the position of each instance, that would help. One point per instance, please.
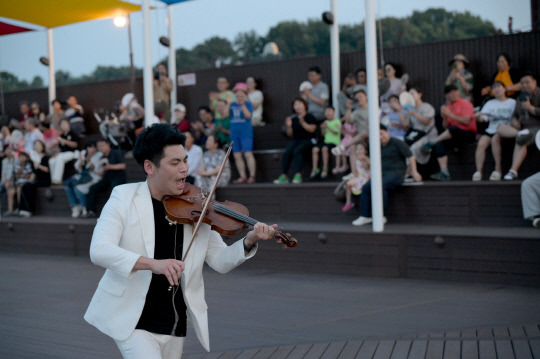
(279, 314)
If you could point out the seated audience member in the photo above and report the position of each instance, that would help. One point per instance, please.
(68, 143)
(132, 113)
(460, 124)
(395, 158)
(50, 138)
(89, 166)
(74, 113)
(211, 164)
(360, 118)
(256, 98)
(360, 177)
(7, 185)
(223, 93)
(26, 112)
(194, 157)
(56, 115)
(114, 174)
(331, 130)
(179, 119)
(24, 174)
(38, 115)
(460, 77)
(530, 198)
(42, 178)
(393, 73)
(346, 93)
(349, 130)
(395, 120)
(525, 122)
(31, 134)
(222, 126)
(422, 126)
(508, 76)
(241, 135)
(317, 97)
(204, 126)
(496, 112)
(301, 127)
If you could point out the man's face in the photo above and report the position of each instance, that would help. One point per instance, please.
(452, 96)
(203, 115)
(361, 98)
(25, 108)
(528, 84)
(361, 78)
(104, 147)
(314, 77)
(384, 136)
(72, 101)
(170, 176)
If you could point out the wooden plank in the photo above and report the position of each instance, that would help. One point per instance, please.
(504, 349)
(501, 332)
(367, 350)
(384, 349)
(282, 352)
(535, 348)
(333, 350)
(522, 349)
(264, 353)
(401, 349)
(435, 349)
(248, 354)
(299, 351)
(350, 350)
(452, 349)
(418, 349)
(469, 349)
(485, 333)
(516, 331)
(531, 330)
(486, 349)
(230, 354)
(316, 351)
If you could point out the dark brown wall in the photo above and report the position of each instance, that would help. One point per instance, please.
(426, 64)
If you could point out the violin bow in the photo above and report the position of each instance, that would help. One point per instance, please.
(208, 200)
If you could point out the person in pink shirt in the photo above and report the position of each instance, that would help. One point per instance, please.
(460, 123)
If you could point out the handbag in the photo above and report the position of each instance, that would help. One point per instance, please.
(412, 135)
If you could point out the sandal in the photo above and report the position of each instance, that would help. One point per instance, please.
(240, 180)
(251, 180)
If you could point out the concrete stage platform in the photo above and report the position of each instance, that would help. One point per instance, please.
(279, 314)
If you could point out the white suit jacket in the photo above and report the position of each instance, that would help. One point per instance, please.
(124, 232)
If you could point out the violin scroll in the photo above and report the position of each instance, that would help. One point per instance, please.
(286, 238)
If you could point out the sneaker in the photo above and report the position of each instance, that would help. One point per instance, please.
(360, 221)
(511, 175)
(408, 179)
(426, 148)
(523, 139)
(281, 179)
(495, 176)
(76, 211)
(84, 212)
(347, 207)
(477, 176)
(24, 213)
(536, 222)
(324, 174)
(441, 176)
(314, 173)
(297, 179)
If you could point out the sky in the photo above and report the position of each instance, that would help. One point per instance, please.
(80, 48)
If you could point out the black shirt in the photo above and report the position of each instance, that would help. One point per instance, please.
(394, 157)
(115, 157)
(158, 315)
(299, 132)
(70, 136)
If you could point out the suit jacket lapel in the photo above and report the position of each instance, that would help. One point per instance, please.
(143, 204)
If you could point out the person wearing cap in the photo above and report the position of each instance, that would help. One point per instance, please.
(525, 122)
(179, 119)
(460, 77)
(317, 97)
(241, 134)
(460, 123)
(496, 112)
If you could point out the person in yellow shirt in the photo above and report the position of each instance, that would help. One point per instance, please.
(508, 76)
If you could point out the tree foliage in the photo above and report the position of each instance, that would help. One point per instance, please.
(294, 39)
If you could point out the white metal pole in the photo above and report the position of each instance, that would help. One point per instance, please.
(147, 71)
(52, 75)
(172, 57)
(373, 109)
(334, 56)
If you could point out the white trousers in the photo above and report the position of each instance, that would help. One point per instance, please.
(57, 163)
(145, 345)
(530, 196)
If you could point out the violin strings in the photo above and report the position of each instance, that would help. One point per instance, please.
(231, 213)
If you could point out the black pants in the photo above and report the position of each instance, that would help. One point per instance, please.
(29, 194)
(294, 155)
(105, 185)
(459, 137)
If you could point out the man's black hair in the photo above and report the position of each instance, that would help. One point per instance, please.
(204, 107)
(383, 127)
(361, 69)
(152, 141)
(316, 69)
(90, 143)
(528, 73)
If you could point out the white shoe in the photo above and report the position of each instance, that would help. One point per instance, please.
(477, 176)
(76, 211)
(24, 213)
(360, 221)
(84, 212)
(495, 176)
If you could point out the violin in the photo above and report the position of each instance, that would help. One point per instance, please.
(227, 218)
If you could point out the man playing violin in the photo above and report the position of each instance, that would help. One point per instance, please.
(148, 294)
